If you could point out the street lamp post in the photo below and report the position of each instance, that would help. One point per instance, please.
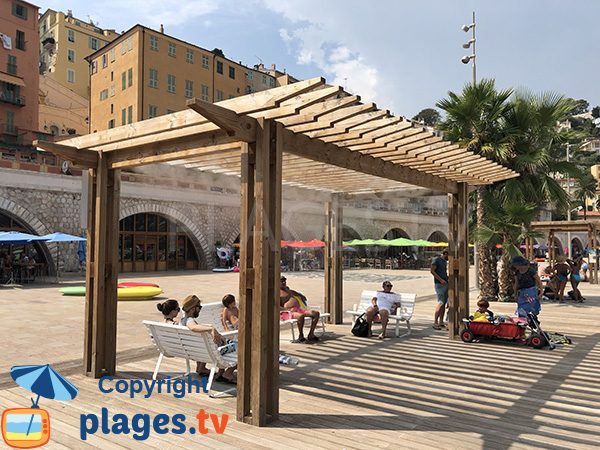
(569, 252)
(465, 59)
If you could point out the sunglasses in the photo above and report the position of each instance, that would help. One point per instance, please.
(388, 285)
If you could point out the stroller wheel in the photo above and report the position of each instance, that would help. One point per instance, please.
(538, 341)
(467, 336)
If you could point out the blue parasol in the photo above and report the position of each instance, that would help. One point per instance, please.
(61, 237)
(43, 381)
(81, 251)
(16, 237)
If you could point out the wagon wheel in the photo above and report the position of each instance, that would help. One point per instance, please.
(467, 335)
(538, 341)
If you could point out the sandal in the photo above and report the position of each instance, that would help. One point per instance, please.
(299, 341)
(381, 336)
(314, 339)
(225, 380)
(436, 326)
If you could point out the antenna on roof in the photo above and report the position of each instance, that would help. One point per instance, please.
(261, 61)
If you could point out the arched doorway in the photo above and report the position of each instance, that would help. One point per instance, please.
(437, 236)
(17, 252)
(152, 242)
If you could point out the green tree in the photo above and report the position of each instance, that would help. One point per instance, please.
(579, 106)
(596, 112)
(428, 116)
(586, 188)
(474, 120)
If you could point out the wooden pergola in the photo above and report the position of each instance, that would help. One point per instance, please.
(584, 226)
(308, 135)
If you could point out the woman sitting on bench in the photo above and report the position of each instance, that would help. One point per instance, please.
(384, 305)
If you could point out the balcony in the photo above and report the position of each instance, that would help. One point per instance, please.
(12, 98)
(8, 129)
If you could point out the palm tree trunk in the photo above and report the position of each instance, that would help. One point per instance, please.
(506, 284)
(487, 271)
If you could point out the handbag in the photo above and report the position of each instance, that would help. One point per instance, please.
(361, 327)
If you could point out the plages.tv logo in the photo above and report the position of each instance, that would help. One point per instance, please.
(30, 427)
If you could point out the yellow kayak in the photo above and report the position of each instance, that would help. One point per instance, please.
(130, 293)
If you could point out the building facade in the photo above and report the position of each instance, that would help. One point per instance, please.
(64, 43)
(18, 72)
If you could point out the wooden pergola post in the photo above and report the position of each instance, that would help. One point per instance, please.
(458, 264)
(100, 330)
(260, 251)
(333, 260)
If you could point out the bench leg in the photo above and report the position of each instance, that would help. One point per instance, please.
(160, 357)
(293, 334)
(211, 376)
(323, 324)
(407, 327)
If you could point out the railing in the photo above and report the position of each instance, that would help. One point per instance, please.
(12, 98)
(11, 130)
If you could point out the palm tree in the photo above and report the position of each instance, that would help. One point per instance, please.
(586, 188)
(474, 120)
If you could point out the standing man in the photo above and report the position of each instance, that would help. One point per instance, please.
(439, 270)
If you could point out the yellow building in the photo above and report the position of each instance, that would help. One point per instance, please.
(62, 112)
(145, 73)
(64, 43)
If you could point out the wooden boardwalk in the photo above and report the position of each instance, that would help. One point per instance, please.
(351, 393)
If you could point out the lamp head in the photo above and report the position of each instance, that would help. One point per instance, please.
(465, 59)
(465, 28)
(466, 45)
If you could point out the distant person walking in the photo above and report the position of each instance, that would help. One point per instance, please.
(439, 270)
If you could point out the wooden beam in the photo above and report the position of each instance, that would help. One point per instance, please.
(409, 192)
(310, 114)
(334, 260)
(458, 264)
(331, 154)
(242, 127)
(87, 159)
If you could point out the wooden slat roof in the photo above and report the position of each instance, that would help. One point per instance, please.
(331, 142)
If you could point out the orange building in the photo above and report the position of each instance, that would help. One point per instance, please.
(145, 73)
(19, 79)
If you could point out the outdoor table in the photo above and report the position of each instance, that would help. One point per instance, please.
(28, 272)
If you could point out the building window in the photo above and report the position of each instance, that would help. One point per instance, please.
(189, 88)
(104, 60)
(220, 67)
(204, 93)
(123, 47)
(219, 96)
(20, 40)
(271, 82)
(189, 55)
(19, 10)
(154, 43)
(123, 117)
(264, 79)
(205, 61)
(151, 111)
(112, 90)
(170, 111)
(111, 123)
(171, 83)
(71, 35)
(130, 43)
(232, 72)
(123, 81)
(94, 43)
(11, 65)
(231, 96)
(70, 76)
(129, 77)
(129, 114)
(94, 67)
(249, 74)
(112, 54)
(71, 55)
(103, 94)
(172, 50)
(153, 79)
(10, 121)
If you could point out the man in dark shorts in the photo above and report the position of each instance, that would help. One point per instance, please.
(439, 270)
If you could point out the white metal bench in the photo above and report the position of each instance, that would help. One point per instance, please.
(403, 314)
(176, 341)
(292, 322)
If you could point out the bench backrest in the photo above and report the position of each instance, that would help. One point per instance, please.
(407, 301)
(212, 314)
(180, 341)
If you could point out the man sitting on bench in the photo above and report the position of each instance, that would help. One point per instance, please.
(290, 300)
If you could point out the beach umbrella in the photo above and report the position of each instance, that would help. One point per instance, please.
(81, 251)
(16, 237)
(401, 242)
(61, 237)
(45, 382)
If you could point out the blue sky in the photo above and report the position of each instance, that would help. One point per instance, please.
(403, 55)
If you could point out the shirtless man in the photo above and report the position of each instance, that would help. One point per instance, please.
(288, 300)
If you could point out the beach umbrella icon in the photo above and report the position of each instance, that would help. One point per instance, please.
(45, 382)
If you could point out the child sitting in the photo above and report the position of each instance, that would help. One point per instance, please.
(483, 314)
(230, 313)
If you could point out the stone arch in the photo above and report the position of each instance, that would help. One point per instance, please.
(577, 247)
(32, 224)
(396, 233)
(349, 233)
(198, 238)
(437, 236)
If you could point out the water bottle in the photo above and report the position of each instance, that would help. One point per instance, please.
(288, 360)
